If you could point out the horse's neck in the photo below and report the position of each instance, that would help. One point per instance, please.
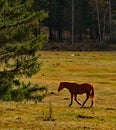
(67, 86)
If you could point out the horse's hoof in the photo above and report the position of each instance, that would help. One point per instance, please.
(81, 106)
(91, 106)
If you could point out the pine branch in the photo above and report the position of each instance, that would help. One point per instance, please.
(24, 21)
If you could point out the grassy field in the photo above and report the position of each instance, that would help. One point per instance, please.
(53, 113)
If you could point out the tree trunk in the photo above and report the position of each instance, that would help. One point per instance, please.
(110, 18)
(72, 22)
(98, 19)
(50, 27)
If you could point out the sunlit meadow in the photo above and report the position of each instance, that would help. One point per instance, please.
(53, 113)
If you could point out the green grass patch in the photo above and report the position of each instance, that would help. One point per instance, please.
(97, 68)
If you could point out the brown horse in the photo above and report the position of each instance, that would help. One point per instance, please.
(75, 89)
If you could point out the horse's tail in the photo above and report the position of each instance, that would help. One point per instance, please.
(92, 93)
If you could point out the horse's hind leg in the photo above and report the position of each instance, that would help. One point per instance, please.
(77, 100)
(85, 100)
(92, 102)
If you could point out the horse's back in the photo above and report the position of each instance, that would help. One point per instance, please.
(87, 85)
(84, 88)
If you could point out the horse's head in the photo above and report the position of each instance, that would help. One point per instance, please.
(61, 86)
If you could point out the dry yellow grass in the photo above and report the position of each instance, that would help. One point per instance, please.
(97, 68)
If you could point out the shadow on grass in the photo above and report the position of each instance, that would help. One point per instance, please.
(84, 117)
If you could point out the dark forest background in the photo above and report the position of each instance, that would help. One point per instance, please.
(94, 23)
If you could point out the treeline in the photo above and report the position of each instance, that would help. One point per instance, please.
(77, 20)
(93, 20)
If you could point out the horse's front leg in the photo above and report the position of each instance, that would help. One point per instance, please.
(77, 100)
(71, 100)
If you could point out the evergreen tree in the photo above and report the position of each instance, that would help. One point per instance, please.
(18, 44)
(82, 18)
(56, 19)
